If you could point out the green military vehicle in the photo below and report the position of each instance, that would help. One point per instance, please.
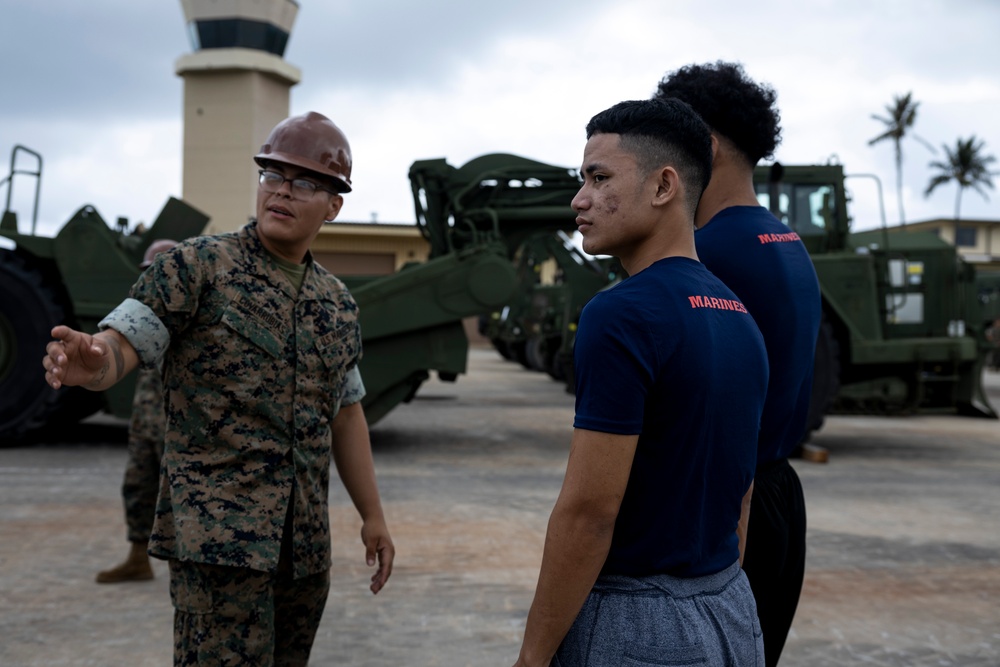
(474, 218)
(903, 330)
(521, 203)
(75, 278)
(555, 281)
(903, 327)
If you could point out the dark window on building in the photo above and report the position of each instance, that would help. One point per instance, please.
(243, 33)
(965, 237)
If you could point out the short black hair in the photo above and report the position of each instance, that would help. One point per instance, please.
(662, 132)
(734, 106)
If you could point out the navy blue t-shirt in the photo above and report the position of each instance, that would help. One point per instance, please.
(766, 265)
(672, 355)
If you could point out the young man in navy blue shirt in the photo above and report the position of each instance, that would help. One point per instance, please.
(767, 266)
(641, 557)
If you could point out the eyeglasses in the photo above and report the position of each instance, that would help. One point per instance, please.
(302, 189)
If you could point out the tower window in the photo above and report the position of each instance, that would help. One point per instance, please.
(241, 33)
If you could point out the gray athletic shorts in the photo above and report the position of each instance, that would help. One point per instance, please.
(661, 620)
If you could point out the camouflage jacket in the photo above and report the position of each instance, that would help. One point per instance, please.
(253, 376)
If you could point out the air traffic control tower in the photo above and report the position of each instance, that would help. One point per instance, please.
(236, 88)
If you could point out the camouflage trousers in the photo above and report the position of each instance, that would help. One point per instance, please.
(237, 616)
(140, 486)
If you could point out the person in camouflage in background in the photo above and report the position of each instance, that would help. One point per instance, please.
(142, 471)
(260, 348)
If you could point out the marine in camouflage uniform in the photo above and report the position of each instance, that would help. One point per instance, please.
(142, 477)
(145, 449)
(260, 348)
(254, 376)
(142, 472)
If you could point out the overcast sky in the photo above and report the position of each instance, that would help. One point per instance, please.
(91, 86)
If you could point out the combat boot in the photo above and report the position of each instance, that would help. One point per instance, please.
(135, 568)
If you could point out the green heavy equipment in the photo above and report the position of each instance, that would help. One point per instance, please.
(474, 218)
(75, 278)
(555, 281)
(510, 205)
(903, 327)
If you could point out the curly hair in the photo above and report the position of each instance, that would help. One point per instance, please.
(731, 103)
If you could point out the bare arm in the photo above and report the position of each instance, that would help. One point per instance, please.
(578, 538)
(744, 523)
(94, 362)
(352, 454)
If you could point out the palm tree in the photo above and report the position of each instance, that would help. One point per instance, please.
(967, 166)
(901, 115)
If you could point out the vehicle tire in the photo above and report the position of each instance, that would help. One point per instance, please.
(826, 377)
(534, 350)
(502, 348)
(483, 326)
(519, 353)
(29, 308)
(554, 360)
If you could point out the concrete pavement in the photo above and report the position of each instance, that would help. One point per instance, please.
(903, 564)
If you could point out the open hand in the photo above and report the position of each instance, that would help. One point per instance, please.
(74, 358)
(378, 547)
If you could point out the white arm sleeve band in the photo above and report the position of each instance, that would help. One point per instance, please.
(141, 328)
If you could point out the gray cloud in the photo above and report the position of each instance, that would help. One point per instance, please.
(90, 59)
(405, 43)
(91, 84)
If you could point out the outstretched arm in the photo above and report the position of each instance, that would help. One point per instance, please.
(94, 362)
(352, 454)
(578, 538)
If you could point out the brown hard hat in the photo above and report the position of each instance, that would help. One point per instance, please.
(313, 142)
(155, 248)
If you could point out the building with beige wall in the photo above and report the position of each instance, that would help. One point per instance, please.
(977, 241)
(368, 249)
